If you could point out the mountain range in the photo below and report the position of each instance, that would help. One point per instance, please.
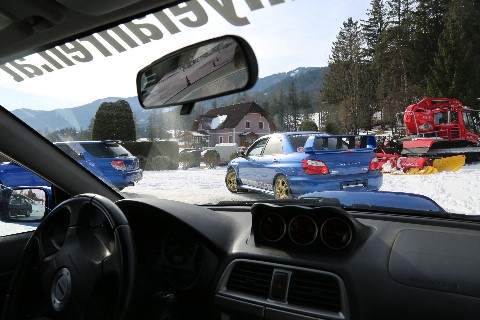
(305, 78)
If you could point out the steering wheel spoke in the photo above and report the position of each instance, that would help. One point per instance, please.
(112, 264)
(47, 268)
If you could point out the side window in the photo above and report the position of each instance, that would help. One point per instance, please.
(24, 198)
(297, 141)
(274, 146)
(260, 125)
(69, 151)
(257, 148)
(230, 139)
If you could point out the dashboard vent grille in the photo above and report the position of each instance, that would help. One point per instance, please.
(251, 278)
(314, 290)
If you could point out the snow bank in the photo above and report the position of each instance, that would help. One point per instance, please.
(454, 191)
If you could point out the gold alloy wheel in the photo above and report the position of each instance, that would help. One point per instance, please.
(282, 188)
(231, 181)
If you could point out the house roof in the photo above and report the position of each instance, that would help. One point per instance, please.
(198, 134)
(234, 114)
(247, 133)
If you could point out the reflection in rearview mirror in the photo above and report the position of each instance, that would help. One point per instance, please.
(212, 68)
(23, 204)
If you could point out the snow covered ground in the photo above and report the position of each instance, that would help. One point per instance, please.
(454, 191)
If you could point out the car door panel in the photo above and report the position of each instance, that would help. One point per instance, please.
(11, 248)
(268, 163)
(248, 172)
(266, 168)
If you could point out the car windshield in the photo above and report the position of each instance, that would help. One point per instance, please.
(340, 68)
(105, 150)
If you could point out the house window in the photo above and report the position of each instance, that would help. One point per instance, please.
(260, 125)
(200, 126)
(230, 139)
(220, 139)
(247, 124)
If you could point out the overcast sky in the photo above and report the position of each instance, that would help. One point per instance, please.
(277, 45)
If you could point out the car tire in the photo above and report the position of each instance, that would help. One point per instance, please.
(231, 181)
(281, 188)
(27, 214)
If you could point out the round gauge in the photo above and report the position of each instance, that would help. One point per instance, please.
(303, 230)
(272, 227)
(336, 233)
(179, 247)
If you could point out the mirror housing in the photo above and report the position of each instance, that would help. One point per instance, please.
(242, 152)
(202, 71)
(25, 203)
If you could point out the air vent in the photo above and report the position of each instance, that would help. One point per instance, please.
(314, 290)
(251, 279)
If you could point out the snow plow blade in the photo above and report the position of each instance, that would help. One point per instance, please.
(426, 170)
(449, 164)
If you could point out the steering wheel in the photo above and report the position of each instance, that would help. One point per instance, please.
(78, 264)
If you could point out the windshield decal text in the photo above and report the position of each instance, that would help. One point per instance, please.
(116, 40)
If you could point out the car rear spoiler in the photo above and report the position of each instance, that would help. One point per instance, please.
(342, 143)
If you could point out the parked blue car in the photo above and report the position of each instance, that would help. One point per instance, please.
(108, 160)
(13, 175)
(25, 202)
(292, 164)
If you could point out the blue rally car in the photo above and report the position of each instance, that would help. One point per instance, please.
(108, 160)
(292, 164)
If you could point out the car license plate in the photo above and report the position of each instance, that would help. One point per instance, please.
(352, 184)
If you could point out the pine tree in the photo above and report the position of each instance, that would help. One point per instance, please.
(374, 27)
(151, 130)
(428, 21)
(281, 112)
(395, 59)
(373, 30)
(293, 114)
(343, 84)
(450, 73)
(306, 106)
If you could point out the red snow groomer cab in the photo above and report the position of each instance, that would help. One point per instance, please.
(442, 126)
(440, 135)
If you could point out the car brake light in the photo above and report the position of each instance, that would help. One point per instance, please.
(314, 167)
(374, 165)
(118, 165)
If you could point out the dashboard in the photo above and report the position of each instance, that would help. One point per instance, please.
(174, 252)
(299, 262)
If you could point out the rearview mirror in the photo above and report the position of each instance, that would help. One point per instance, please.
(24, 203)
(202, 71)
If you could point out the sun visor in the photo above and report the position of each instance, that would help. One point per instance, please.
(95, 7)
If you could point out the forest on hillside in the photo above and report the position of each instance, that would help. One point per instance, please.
(405, 50)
